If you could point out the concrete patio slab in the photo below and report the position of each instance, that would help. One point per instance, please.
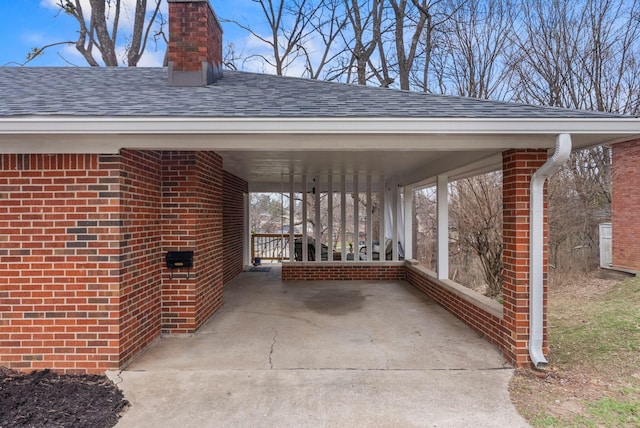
(326, 354)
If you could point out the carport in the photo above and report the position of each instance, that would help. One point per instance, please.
(96, 190)
(337, 353)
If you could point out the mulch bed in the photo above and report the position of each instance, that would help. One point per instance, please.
(46, 399)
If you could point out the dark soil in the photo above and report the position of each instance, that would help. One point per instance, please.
(46, 399)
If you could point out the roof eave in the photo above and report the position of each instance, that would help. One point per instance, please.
(50, 134)
(317, 125)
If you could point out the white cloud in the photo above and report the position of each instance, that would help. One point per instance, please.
(127, 11)
(71, 55)
(253, 48)
(35, 38)
(150, 58)
(49, 4)
(252, 42)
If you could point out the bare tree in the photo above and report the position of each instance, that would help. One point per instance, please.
(232, 56)
(426, 227)
(99, 30)
(547, 37)
(579, 199)
(476, 211)
(584, 55)
(365, 27)
(328, 24)
(409, 18)
(266, 213)
(473, 48)
(292, 24)
(578, 54)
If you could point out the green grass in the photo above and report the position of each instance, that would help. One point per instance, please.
(612, 412)
(603, 335)
(599, 337)
(545, 421)
(601, 331)
(605, 412)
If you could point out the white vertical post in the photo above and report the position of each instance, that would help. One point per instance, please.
(369, 220)
(356, 217)
(408, 223)
(247, 229)
(292, 213)
(343, 217)
(305, 241)
(382, 243)
(330, 217)
(395, 209)
(318, 225)
(443, 227)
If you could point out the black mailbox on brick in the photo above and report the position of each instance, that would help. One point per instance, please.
(179, 259)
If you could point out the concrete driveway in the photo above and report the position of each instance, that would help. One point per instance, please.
(321, 354)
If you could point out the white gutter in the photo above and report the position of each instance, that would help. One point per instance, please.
(536, 248)
(282, 125)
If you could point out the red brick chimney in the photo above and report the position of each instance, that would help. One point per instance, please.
(195, 43)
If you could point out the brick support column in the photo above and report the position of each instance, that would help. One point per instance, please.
(518, 168)
(209, 256)
(179, 205)
(626, 200)
(140, 251)
(192, 221)
(233, 225)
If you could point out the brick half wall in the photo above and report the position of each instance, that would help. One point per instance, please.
(354, 271)
(479, 312)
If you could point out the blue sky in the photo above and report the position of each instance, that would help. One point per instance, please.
(30, 23)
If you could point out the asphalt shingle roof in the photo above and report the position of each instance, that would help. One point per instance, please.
(99, 92)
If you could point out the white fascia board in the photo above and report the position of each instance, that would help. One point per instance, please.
(190, 125)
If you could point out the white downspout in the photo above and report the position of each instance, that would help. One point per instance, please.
(536, 248)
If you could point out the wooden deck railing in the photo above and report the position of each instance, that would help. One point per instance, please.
(270, 246)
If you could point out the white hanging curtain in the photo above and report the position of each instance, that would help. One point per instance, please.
(393, 213)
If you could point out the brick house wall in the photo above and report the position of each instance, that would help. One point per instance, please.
(233, 225)
(60, 258)
(625, 204)
(82, 242)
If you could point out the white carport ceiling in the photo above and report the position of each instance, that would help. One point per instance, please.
(265, 154)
